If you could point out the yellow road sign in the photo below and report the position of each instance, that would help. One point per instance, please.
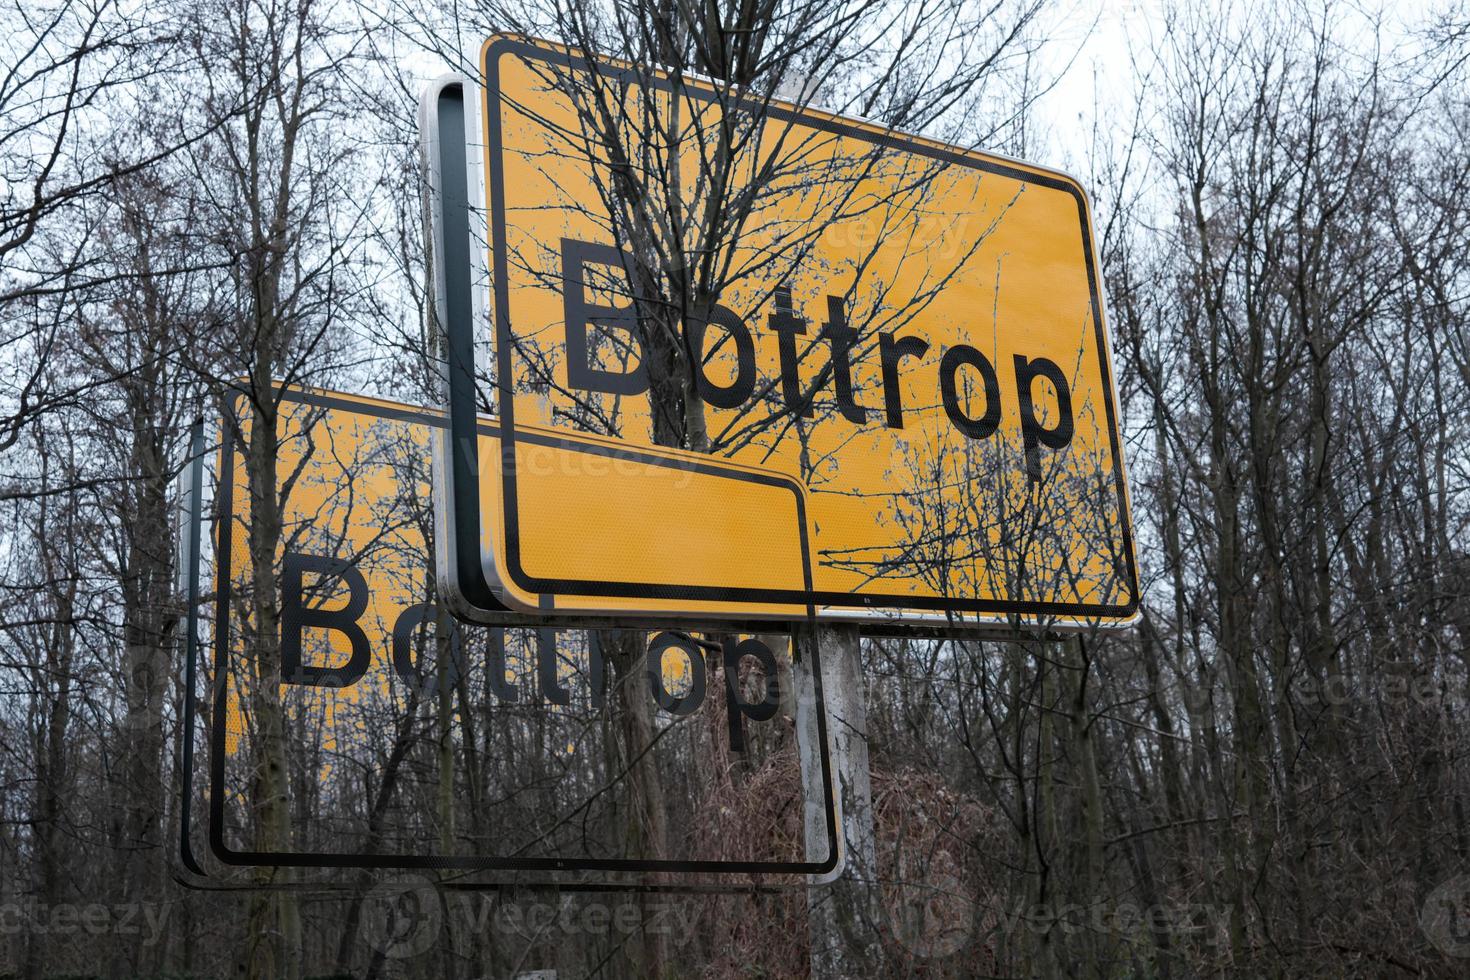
(911, 333)
(363, 648)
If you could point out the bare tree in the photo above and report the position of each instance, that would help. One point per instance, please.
(272, 189)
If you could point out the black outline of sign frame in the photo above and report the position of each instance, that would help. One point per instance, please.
(224, 519)
(467, 524)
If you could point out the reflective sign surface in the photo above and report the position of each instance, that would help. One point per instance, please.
(909, 333)
(389, 714)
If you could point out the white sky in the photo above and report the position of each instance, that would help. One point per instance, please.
(1103, 37)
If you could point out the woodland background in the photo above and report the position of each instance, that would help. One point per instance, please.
(1268, 776)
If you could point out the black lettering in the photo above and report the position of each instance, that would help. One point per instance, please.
(892, 350)
(504, 689)
(737, 709)
(296, 616)
(546, 673)
(949, 366)
(597, 672)
(581, 315)
(734, 394)
(843, 338)
(788, 327)
(1032, 432)
(403, 663)
(654, 667)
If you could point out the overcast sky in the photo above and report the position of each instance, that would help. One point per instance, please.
(1094, 44)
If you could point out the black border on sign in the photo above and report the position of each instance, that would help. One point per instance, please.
(224, 516)
(195, 525)
(461, 381)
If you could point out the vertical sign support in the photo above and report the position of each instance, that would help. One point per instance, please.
(845, 914)
(192, 496)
